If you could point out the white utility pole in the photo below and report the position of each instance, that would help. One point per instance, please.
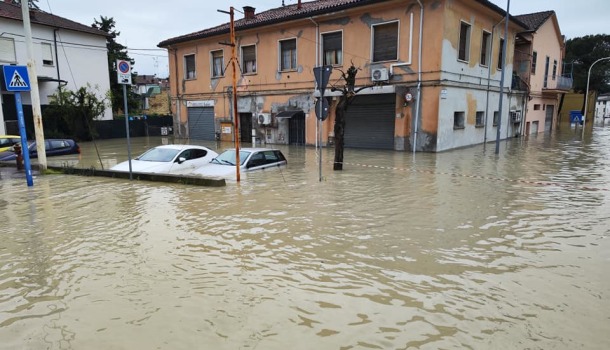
(34, 94)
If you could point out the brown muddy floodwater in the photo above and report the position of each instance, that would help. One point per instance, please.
(459, 250)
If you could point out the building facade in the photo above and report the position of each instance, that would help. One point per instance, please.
(66, 53)
(429, 74)
(539, 56)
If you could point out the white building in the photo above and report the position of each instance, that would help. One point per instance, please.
(602, 106)
(66, 54)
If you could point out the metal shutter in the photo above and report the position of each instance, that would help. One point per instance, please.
(369, 122)
(201, 123)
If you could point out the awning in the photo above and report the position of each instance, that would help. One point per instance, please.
(287, 114)
(42, 79)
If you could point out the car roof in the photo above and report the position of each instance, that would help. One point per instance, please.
(253, 149)
(178, 146)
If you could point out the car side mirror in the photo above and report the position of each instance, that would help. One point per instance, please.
(181, 160)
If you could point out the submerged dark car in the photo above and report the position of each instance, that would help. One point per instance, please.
(53, 147)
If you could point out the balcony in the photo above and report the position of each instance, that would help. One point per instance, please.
(560, 83)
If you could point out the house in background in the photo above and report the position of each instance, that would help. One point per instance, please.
(539, 53)
(149, 87)
(602, 106)
(432, 72)
(67, 54)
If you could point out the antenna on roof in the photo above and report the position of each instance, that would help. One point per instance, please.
(283, 3)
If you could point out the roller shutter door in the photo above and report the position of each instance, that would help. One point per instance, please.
(201, 123)
(369, 122)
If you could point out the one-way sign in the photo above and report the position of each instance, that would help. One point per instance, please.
(16, 78)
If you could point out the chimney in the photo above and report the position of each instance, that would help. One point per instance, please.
(299, 5)
(249, 12)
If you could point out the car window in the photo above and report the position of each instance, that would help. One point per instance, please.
(271, 157)
(228, 157)
(257, 159)
(186, 154)
(57, 144)
(198, 153)
(159, 155)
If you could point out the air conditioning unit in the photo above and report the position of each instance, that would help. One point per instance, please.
(380, 74)
(515, 116)
(264, 118)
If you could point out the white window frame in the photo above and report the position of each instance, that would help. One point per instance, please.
(254, 71)
(280, 52)
(9, 50)
(340, 63)
(213, 64)
(467, 43)
(186, 72)
(373, 41)
(487, 49)
(47, 54)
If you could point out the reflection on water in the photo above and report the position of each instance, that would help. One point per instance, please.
(454, 250)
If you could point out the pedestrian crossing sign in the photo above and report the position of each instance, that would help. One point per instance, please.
(16, 78)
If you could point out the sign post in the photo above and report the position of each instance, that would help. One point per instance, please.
(123, 69)
(322, 75)
(16, 79)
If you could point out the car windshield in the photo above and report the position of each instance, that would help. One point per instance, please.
(228, 157)
(159, 155)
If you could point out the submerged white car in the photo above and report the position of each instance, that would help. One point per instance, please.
(169, 159)
(250, 159)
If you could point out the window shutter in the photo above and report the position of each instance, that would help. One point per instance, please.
(385, 42)
(7, 50)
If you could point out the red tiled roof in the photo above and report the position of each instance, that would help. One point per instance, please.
(291, 12)
(533, 21)
(39, 17)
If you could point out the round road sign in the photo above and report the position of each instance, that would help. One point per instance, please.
(124, 67)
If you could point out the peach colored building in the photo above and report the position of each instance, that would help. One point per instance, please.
(432, 69)
(539, 62)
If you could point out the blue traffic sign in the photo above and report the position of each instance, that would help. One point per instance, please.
(16, 78)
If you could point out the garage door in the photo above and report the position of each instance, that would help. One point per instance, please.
(369, 122)
(201, 123)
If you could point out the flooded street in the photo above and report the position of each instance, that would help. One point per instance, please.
(457, 250)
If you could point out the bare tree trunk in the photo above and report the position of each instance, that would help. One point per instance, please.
(339, 132)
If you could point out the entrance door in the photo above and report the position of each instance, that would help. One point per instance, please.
(296, 129)
(369, 122)
(201, 123)
(548, 122)
(245, 127)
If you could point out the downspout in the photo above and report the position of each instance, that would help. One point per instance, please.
(57, 60)
(419, 73)
(178, 102)
(489, 65)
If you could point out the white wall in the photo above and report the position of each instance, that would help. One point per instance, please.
(82, 60)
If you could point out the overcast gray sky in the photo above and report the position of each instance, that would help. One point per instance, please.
(144, 23)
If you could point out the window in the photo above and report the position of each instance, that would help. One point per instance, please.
(248, 59)
(189, 67)
(217, 64)
(479, 119)
(534, 59)
(385, 42)
(546, 71)
(500, 53)
(485, 45)
(464, 47)
(47, 54)
(536, 107)
(7, 50)
(458, 120)
(496, 118)
(332, 48)
(288, 54)
(554, 69)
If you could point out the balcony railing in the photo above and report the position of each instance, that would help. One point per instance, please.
(559, 83)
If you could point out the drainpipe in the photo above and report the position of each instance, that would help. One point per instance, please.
(178, 102)
(419, 73)
(57, 59)
(489, 65)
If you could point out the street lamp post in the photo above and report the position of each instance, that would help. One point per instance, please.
(584, 118)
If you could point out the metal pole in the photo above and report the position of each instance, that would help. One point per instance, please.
(34, 93)
(319, 124)
(584, 118)
(127, 129)
(502, 77)
(25, 149)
